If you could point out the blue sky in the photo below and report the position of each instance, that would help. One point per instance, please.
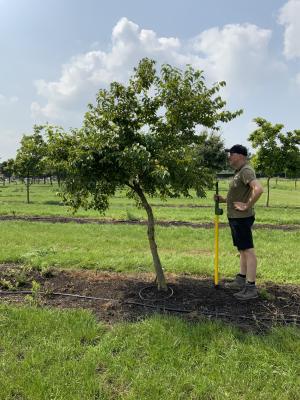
(56, 55)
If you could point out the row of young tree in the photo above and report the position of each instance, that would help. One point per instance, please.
(278, 152)
(149, 137)
(32, 161)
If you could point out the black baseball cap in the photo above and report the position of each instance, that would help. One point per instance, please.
(238, 149)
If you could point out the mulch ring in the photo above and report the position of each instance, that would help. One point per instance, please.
(115, 297)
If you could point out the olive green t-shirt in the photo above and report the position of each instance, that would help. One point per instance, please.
(240, 190)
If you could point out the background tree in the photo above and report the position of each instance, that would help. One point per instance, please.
(58, 148)
(212, 154)
(277, 152)
(2, 174)
(268, 158)
(29, 159)
(144, 137)
(291, 154)
(7, 169)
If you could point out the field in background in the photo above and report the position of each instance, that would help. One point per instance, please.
(284, 205)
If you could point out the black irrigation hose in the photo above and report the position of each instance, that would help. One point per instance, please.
(133, 303)
(289, 318)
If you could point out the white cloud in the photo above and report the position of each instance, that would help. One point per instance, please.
(85, 73)
(236, 53)
(50, 111)
(289, 16)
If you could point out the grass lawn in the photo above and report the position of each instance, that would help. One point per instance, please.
(125, 248)
(61, 355)
(49, 354)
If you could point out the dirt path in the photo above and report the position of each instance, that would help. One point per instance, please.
(117, 297)
(206, 225)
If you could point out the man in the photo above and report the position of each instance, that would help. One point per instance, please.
(244, 191)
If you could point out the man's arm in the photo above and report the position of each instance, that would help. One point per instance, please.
(257, 191)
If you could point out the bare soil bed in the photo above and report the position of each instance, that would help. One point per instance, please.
(101, 221)
(114, 297)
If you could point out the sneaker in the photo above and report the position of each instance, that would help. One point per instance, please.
(249, 292)
(237, 284)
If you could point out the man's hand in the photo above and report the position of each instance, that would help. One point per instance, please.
(257, 190)
(238, 205)
(219, 198)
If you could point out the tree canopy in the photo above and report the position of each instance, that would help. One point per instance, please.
(291, 153)
(146, 136)
(30, 156)
(7, 168)
(276, 151)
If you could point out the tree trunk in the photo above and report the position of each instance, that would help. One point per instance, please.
(160, 277)
(27, 189)
(268, 192)
(295, 183)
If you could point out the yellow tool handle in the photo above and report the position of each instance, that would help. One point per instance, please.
(216, 250)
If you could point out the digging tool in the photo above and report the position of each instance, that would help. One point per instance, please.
(218, 211)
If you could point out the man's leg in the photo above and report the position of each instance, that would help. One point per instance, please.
(248, 258)
(242, 237)
(250, 290)
(243, 262)
(240, 280)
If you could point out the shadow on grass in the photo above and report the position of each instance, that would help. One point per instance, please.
(53, 203)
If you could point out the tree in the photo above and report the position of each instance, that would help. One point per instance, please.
(29, 159)
(268, 159)
(57, 154)
(277, 151)
(2, 174)
(212, 154)
(144, 137)
(7, 168)
(291, 154)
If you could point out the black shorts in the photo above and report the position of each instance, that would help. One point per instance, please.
(241, 232)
